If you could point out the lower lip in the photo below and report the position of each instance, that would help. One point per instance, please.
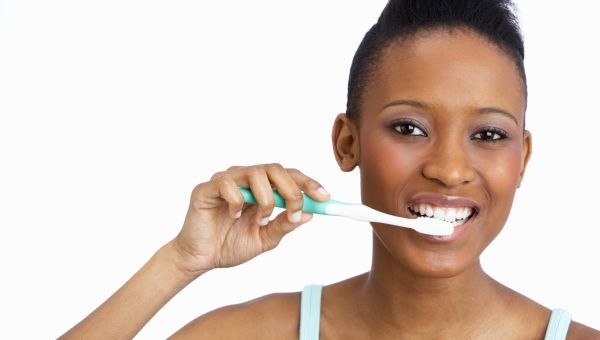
(458, 231)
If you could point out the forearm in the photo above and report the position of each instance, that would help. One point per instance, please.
(124, 314)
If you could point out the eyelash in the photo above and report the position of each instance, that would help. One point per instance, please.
(501, 134)
(407, 122)
(495, 131)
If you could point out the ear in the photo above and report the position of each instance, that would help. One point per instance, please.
(526, 152)
(345, 142)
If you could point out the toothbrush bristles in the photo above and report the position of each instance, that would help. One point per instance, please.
(433, 226)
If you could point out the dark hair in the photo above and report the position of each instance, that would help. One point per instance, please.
(403, 19)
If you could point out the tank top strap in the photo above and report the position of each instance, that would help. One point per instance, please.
(310, 312)
(558, 325)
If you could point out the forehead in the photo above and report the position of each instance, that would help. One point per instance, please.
(447, 69)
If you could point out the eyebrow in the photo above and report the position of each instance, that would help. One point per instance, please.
(415, 103)
(422, 105)
(500, 111)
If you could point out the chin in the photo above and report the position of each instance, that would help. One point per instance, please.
(440, 268)
(397, 250)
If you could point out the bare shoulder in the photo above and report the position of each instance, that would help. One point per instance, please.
(534, 319)
(579, 331)
(274, 316)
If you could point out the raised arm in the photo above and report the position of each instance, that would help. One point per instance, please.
(218, 231)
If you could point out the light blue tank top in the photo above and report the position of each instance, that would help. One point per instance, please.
(310, 315)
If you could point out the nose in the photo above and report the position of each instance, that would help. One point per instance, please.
(448, 164)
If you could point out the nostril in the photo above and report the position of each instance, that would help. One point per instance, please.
(449, 173)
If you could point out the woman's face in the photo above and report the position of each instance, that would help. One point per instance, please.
(441, 129)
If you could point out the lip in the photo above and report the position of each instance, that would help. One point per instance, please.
(449, 202)
(443, 201)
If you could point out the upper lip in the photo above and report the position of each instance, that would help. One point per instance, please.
(439, 200)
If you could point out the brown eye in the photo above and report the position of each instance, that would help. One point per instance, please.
(490, 135)
(408, 129)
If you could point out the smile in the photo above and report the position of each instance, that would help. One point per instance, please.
(454, 215)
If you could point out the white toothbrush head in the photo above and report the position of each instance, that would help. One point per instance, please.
(432, 226)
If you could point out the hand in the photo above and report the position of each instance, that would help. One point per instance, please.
(220, 231)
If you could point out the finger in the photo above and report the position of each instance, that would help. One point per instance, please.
(212, 188)
(262, 192)
(310, 186)
(280, 226)
(230, 192)
(217, 175)
(212, 194)
(206, 195)
(287, 188)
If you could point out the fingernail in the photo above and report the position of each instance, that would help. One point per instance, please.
(322, 191)
(264, 221)
(295, 217)
(238, 214)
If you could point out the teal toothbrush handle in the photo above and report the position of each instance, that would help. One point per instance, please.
(310, 205)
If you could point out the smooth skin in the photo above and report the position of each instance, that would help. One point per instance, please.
(444, 113)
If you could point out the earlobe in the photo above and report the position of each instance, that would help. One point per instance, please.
(527, 149)
(344, 137)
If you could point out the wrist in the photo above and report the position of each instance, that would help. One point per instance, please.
(180, 260)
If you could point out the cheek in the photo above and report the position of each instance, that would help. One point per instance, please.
(500, 169)
(499, 172)
(385, 167)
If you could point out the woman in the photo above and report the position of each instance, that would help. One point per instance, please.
(435, 122)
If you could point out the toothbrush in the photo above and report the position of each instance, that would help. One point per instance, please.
(359, 212)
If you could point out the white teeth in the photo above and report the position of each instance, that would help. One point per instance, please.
(463, 213)
(423, 209)
(429, 210)
(457, 223)
(451, 214)
(439, 213)
(456, 216)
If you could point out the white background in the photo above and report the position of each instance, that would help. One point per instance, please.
(111, 111)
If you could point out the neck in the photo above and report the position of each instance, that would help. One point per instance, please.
(402, 302)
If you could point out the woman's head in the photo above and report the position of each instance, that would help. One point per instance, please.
(404, 19)
(438, 125)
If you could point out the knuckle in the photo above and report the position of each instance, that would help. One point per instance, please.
(269, 204)
(275, 166)
(217, 174)
(237, 200)
(197, 189)
(256, 170)
(224, 182)
(264, 199)
(293, 171)
(297, 197)
(311, 183)
(266, 205)
(237, 203)
(221, 180)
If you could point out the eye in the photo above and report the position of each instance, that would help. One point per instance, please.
(408, 128)
(490, 135)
